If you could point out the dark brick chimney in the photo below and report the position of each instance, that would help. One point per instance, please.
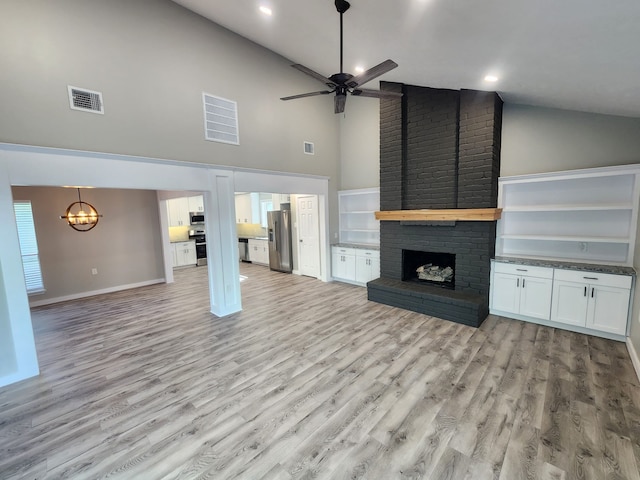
(438, 149)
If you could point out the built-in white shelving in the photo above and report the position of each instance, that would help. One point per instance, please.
(583, 215)
(358, 224)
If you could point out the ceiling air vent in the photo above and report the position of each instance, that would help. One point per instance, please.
(308, 148)
(220, 119)
(85, 100)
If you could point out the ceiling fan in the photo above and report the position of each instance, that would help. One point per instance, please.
(343, 83)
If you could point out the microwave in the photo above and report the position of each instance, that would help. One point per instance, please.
(196, 218)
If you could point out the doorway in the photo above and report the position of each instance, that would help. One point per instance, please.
(308, 235)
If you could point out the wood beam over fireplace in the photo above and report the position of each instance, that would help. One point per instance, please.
(453, 214)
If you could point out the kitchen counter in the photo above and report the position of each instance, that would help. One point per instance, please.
(361, 246)
(586, 267)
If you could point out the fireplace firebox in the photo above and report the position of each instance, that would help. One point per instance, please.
(430, 268)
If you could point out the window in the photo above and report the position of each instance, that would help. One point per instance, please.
(265, 206)
(28, 247)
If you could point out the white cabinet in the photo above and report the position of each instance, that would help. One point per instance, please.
(184, 253)
(259, 251)
(593, 300)
(587, 215)
(178, 212)
(355, 265)
(584, 301)
(247, 207)
(367, 265)
(522, 289)
(196, 203)
(343, 263)
(357, 216)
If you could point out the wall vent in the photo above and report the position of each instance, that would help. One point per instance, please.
(85, 100)
(309, 148)
(220, 119)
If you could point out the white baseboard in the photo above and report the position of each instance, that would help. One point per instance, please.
(75, 296)
(634, 357)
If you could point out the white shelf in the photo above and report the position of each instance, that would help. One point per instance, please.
(567, 238)
(585, 215)
(567, 208)
(358, 223)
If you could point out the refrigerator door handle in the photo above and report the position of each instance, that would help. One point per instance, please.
(275, 237)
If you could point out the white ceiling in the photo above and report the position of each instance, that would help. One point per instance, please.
(572, 54)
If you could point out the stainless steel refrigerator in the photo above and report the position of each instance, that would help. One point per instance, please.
(279, 228)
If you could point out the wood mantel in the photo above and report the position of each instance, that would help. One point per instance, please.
(453, 214)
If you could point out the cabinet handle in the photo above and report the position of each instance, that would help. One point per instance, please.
(585, 291)
(590, 278)
(592, 291)
(523, 283)
(518, 283)
(522, 270)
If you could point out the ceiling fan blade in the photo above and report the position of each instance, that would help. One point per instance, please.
(302, 95)
(316, 75)
(339, 103)
(372, 73)
(366, 92)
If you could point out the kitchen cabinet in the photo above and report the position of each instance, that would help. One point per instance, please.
(597, 301)
(259, 251)
(247, 207)
(184, 253)
(196, 203)
(178, 212)
(522, 290)
(355, 265)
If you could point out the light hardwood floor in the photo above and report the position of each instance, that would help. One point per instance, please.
(312, 381)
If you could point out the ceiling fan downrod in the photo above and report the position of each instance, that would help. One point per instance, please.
(342, 6)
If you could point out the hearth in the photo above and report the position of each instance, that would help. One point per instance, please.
(429, 268)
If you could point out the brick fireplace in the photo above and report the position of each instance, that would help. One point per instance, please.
(439, 149)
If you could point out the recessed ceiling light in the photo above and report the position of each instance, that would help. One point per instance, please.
(266, 10)
(359, 69)
(490, 78)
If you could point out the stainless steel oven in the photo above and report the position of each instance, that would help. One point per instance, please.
(201, 246)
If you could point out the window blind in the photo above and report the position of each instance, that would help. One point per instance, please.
(28, 247)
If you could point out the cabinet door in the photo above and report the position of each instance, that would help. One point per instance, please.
(535, 297)
(190, 257)
(344, 266)
(174, 255)
(608, 309)
(196, 203)
(367, 268)
(506, 292)
(178, 212)
(569, 303)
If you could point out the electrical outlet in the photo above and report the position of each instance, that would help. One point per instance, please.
(94, 271)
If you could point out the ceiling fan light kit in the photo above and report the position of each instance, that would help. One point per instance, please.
(344, 83)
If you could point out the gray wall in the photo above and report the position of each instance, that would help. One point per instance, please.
(125, 246)
(360, 144)
(536, 140)
(152, 59)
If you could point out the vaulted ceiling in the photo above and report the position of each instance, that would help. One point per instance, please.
(573, 54)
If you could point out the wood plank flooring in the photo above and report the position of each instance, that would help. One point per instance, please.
(311, 380)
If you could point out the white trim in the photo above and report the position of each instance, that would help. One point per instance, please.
(635, 360)
(76, 296)
(577, 173)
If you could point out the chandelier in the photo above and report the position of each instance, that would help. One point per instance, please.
(78, 218)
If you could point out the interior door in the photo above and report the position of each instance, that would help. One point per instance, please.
(308, 235)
